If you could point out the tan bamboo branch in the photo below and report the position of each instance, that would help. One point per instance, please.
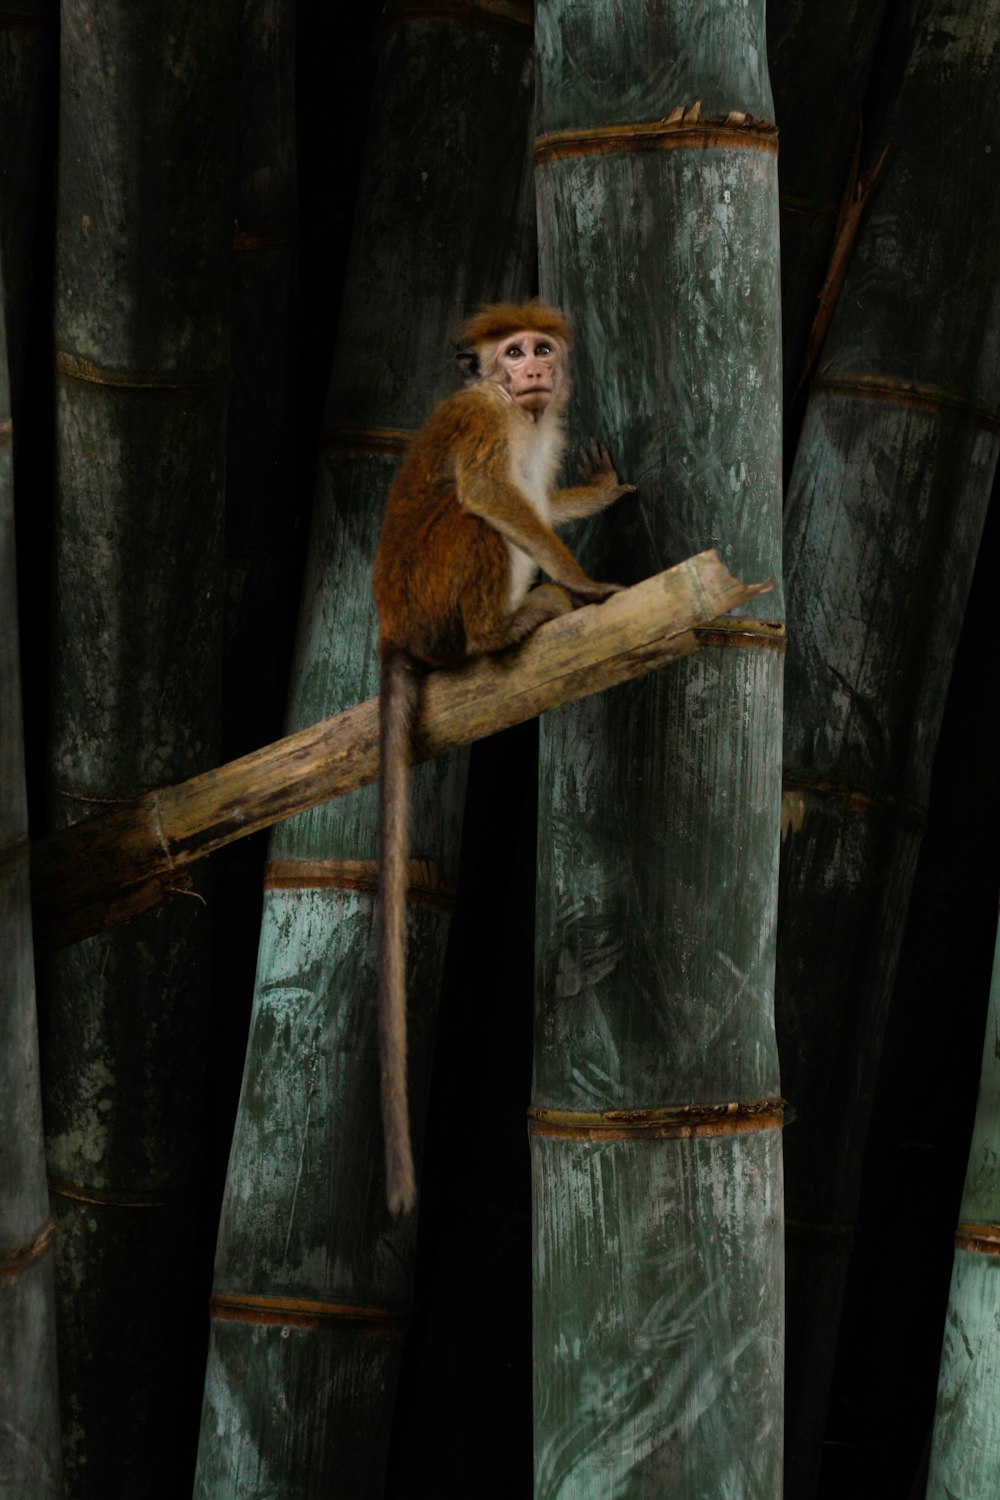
(107, 868)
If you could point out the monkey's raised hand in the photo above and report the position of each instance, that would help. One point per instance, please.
(601, 486)
(597, 469)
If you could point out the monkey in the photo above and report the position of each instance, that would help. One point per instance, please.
(468, 521)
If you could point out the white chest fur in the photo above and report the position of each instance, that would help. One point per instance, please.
(535, 455)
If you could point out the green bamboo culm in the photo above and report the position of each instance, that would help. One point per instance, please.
(966, 1438)
(656, 1119)
(313, 1279)
(30, 1448)
(143, 256)
(883, 519)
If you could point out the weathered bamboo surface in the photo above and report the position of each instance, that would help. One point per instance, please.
(967, 1424)
(105, 869)
(658, 1303)
(30, 1450)
(141, 321)
(882, 524)
(443, 221)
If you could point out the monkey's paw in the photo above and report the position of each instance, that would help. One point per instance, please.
(597, 469)
(596, 593)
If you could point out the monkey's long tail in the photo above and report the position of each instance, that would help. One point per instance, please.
(397, 709)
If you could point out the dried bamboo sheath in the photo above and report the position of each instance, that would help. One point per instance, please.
(657, 1198)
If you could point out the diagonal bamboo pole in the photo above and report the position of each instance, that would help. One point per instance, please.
(105, 869)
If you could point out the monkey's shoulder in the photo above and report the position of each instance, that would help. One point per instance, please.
(475, 422)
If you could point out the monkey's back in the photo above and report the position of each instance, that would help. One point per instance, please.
(439, 570)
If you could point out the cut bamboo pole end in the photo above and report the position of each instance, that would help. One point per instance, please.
(110, 867)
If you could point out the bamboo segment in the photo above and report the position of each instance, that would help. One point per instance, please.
(115, 864)
(820, 58)
(884, 514)
(442, 223)
(143, 260)
(966, 1438)
(30, 1449)
(658, 1284)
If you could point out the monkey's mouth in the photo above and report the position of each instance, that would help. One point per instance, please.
(533, 393)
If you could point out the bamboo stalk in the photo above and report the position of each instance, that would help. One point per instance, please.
(143, 259)
(30, 1450)
(443, 222)
(966, 1438)
(30, 1439)
(107, 868)
(656, 1148)
(884, 514)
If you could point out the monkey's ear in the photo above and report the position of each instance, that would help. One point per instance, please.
(468, 364)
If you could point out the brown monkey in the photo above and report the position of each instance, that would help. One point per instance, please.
(468, 522)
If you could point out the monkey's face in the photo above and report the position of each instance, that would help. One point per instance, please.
(531, 367)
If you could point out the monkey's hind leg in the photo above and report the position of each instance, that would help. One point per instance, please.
(546, 602)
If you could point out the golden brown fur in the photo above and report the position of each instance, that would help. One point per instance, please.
(468, 520)
(498, 319)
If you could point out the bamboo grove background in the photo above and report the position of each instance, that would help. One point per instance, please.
(247, 231)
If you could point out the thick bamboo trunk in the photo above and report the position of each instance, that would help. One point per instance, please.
(143, 258)
(30, 1450)
(655, 1126)
(312, 1279)
(885, 509)
(885, 1383)
(966, 1445)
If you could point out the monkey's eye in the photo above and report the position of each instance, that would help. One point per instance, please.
(543, 349)
(514, 351)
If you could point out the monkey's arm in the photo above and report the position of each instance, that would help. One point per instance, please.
(601, 487)
(501, 505)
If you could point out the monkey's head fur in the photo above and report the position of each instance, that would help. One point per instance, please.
(495, 321)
